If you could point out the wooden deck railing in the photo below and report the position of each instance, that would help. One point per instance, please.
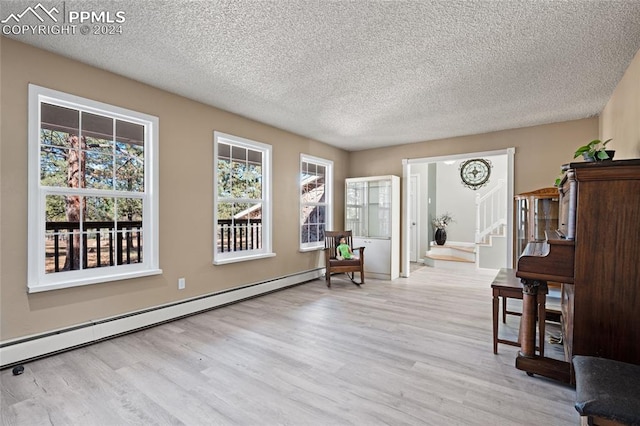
(98, 248)
(101, 246)
(239, 234)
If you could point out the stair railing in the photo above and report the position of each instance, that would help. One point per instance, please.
(491, 211)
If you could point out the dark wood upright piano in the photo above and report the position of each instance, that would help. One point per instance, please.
(595, 254)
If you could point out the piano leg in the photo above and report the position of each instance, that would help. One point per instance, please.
(530, 290)
(527, 359)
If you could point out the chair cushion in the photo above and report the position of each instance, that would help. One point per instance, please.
(344, 262)
(608, 389)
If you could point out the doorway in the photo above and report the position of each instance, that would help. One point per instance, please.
(420, 201)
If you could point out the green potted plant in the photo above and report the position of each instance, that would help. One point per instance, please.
(595, 151)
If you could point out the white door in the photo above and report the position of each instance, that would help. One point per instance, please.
(413, 218)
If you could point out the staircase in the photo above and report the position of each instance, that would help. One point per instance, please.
(452, 255)
(491, 213)
(489, 248)
(491, 226)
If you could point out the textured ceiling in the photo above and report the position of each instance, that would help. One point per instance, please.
(363, 74)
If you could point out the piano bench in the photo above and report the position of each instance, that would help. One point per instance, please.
(507, 286)
(607, 391)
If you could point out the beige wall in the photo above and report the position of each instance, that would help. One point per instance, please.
(186, 153)
(620, 118)
(540, 151)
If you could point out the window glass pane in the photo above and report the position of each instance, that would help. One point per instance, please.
(224, 211)
(224, 150)
(53, 166)
(99, 209)
(247, 222)
(238, 187)
(312, 169)
(74, 209)
(60, 122)
(62, 250)
(253, 180)
(99, 145)
(134, 152)
(245, 180)
(55, 206)
(313, 183)
(239, 153)
(100, 248)
(321, 214)
(128, 209)
(62, 226)
(224, 177)
(129, 156)
(54, 138)
(313, 217)
(97, 127)
(255, 157)
(313, 237)
(54, 246)
(128, 244)
(99, 170)
(312, 233)
(224, 227)
(58, 235)
(304, 233)
(319, 193)
(129, 173)
(241, 211)
(99, 227)
(305, 178)
(76, 165)
(130, 133)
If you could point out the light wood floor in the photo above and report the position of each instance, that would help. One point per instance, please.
(414, 351)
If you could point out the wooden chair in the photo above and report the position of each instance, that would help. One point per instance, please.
(347, 266)
(507, 286)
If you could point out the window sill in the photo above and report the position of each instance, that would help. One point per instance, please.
(36, 288)
(243, 258)
(308, 249)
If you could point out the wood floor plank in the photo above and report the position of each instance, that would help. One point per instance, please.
(410, 351)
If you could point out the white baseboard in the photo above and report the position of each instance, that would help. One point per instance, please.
(35, 346)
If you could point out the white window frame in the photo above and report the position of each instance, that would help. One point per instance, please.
(328, 164)
(38, 280)
(266, 249)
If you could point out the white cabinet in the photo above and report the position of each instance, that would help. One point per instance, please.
(372, 212)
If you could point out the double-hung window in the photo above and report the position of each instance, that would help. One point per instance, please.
(93, 188)
(316, 181)
(242, 199)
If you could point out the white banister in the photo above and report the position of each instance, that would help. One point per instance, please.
(491, 211)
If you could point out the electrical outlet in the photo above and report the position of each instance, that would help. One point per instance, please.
(181, 283)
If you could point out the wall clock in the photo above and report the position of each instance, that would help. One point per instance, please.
(475, 173)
